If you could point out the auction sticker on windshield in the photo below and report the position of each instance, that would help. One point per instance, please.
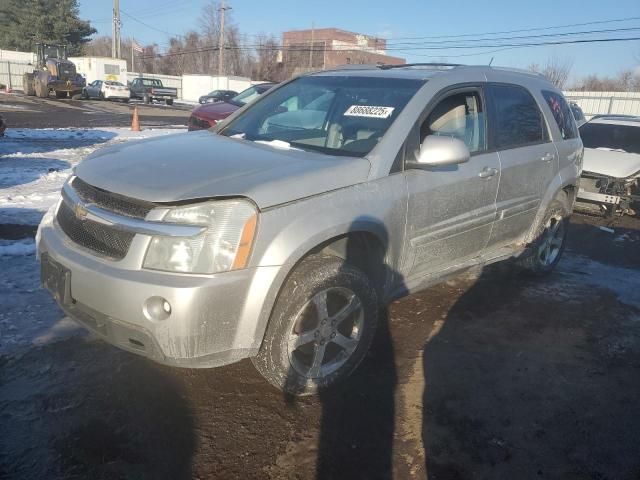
(368, 111)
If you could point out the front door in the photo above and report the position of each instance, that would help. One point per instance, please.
(451, 209)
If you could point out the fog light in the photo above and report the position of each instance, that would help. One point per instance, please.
(156, 309)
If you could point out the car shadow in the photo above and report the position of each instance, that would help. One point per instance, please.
(17, 170)
(530, 378)
(24, 141)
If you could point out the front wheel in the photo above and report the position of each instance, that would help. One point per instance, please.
(146, 99)
(545, 251)
(321, 326)
(169, 101)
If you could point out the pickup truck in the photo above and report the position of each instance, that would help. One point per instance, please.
(149, 89)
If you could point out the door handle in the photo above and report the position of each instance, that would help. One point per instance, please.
(488, 172)
(547, 157)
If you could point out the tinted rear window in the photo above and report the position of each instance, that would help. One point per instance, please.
(517, 120)
(615, 137)
(561, 114)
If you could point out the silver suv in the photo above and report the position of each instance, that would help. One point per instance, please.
(278, 236)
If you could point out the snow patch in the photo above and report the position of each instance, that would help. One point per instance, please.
(17, 248)
(34, 164)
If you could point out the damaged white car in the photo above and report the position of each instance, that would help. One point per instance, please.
(611, 170)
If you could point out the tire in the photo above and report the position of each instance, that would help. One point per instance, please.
(61, 94)
(547, 248)
(169, 101)
(146, 99)
(101, 96)
(42, 91)
(125, 100)
(27, 84)
(351, 307)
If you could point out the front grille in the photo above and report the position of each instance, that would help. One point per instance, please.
(92, 235)
(110, 201)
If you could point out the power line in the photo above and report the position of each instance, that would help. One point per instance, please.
(547, 35)
(522, 30)
(501, 46)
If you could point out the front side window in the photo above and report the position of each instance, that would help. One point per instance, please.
(517, 120)
(562, 114)
(460, 116)
(609, 136)
(334, 115)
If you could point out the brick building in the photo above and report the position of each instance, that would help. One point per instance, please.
(324, 48)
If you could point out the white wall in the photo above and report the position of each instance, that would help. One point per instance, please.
(194, 86)
(11, 56)
(602, 103)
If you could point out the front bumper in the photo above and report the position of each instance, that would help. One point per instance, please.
(215, 319)
(595, 197)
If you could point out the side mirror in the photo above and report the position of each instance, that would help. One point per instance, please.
(437, 151)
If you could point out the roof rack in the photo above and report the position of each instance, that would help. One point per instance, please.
(429, 64)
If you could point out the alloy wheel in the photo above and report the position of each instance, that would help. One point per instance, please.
(326, 332)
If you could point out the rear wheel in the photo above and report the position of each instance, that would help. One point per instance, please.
(546, 250)
(321, 326)
(61, 94)
(169, 101)
(27, 84)
(42, 90)
(146, 99)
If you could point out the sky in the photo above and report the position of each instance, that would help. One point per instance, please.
(399, 19)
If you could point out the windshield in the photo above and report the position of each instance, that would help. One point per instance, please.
(248, 95)
(334, 115)
(614, 137)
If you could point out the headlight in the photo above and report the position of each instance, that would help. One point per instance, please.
(225, 244)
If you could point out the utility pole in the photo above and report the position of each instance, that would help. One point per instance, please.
(222, 9)
(115, 38)
(311, 46)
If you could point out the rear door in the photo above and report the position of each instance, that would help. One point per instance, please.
(451, 209)
(528, 159)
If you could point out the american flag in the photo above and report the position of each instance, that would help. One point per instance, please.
(137, 47)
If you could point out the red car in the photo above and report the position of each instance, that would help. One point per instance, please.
(207, 115)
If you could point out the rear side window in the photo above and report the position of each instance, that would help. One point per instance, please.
(517, 120)
(562, 114)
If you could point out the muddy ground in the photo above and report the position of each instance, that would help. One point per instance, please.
(491, 375)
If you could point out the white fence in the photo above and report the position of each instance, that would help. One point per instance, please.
(603, 103)
(11, 74)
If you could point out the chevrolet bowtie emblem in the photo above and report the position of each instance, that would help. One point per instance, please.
(80, 211)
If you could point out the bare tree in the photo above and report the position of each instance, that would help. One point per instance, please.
(556, 70)
(624, 81)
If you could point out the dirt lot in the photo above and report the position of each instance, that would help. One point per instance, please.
(490, 375)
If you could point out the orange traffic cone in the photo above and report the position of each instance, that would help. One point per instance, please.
(135, 123)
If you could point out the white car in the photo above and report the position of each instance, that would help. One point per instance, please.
(611, 169)
(106, 90)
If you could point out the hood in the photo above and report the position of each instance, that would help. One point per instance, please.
(203, 165)
(215, 111)
(612, 163)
